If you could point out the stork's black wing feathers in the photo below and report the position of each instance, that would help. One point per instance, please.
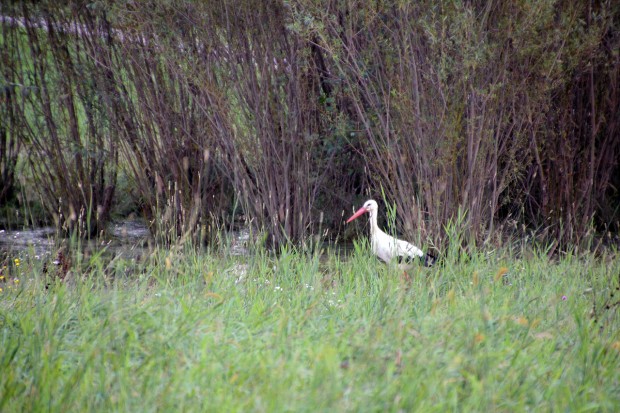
(429, 260)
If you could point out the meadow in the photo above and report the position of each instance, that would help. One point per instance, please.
(473, 122)
(188, 330)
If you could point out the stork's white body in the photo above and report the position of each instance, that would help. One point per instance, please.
(389, 248)
(384, 246)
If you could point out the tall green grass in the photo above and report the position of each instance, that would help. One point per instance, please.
(191, 331)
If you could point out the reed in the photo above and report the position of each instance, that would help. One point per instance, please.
(290, 110)
(194, 331)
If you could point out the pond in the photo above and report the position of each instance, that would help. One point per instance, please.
(129, 238)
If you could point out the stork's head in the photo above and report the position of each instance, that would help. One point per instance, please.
(370, 206)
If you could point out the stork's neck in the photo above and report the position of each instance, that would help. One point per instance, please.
(374, 227)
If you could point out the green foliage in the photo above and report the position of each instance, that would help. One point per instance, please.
(292, 109)
(196, 332)
(455, 100)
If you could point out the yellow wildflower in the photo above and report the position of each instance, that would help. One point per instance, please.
(522, 321)
(450, 296)
(16, 280)
(16, 260)
(1, 277)
(500, 273)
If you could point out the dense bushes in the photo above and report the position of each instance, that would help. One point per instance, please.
(508, 111)
(490, 107)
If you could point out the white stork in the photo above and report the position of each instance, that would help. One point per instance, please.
(385, 246)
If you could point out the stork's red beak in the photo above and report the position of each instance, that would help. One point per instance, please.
(357, 214)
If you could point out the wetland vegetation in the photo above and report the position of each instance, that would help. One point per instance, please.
(488, 130)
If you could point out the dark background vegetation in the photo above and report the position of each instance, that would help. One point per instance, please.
(289, 112)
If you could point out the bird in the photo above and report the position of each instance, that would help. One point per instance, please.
(386, 247)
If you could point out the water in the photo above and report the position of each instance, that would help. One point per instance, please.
(39, 241)
(129, 238)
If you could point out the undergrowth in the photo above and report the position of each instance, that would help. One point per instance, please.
(196, 331)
